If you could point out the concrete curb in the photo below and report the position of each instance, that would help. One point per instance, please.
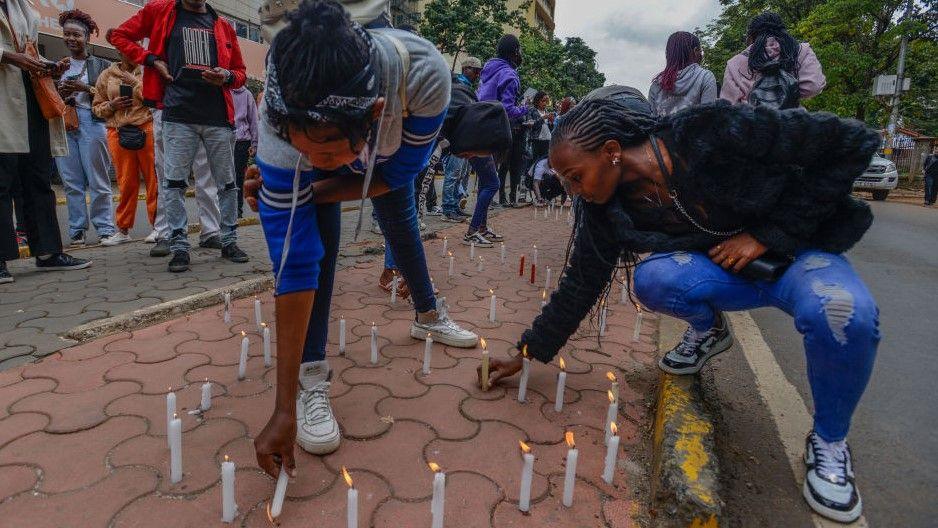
(167, 310)
(684, 466)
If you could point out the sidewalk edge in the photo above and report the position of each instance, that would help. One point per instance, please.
(167, 310)
(684, 466)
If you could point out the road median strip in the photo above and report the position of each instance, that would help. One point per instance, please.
(685, 467)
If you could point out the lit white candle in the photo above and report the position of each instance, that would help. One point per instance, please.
(472, 251)
(624, 295)
(611, 414)
(614, 385)
(492, 303)
(503, 252)
(228, 506)
(342, 335)
(534, 259)
(481, 266)
(445, 245)
(612, 453)
(561, 383)
(267, 355)
(394, 289)
(525, 372)
(374, 343)
(352, 502)
(543, 298)
(206, 403)
(257, 313)
(439, 496)
(547, 280)
(243, 361)
(227, 307)
(280, 493)
(569, 478)
(452, 264)
(527, 474)
(427, 353)
(170, 408)
(485, 365)
(637, 332)
(175, 450)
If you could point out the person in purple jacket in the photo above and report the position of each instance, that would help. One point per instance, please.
(500, 82)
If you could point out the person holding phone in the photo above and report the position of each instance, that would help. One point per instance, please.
(85, 170)
(119, 100)
(28, 141)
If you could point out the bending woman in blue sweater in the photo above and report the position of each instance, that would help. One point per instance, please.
(348, 113)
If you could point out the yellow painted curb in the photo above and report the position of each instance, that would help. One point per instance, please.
(684, 465)
(117, 197)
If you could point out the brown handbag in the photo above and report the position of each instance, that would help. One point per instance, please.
(50, 102)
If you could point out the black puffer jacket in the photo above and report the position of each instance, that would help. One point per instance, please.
(784, 176)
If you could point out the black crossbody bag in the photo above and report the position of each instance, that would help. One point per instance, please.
(769, 267)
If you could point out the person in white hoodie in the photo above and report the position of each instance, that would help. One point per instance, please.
(683, 82)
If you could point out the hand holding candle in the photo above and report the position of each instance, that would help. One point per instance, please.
(280, 493)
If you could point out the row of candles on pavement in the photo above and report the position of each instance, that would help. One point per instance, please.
(275, 507)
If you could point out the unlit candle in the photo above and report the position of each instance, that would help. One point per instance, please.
(175, 450)
(342, 335)
(257, 313)
(268, 360)
(280, 492)
(243, 361)
(427, 352)
(227, 307)
(206, 403)
(374, 344)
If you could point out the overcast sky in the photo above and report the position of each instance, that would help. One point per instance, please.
(629, 36)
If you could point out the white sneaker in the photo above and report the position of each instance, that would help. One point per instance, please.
(151, 238)
(829, 485)
(317, 431)
(695, 349)
(443, 330)
(115, 239)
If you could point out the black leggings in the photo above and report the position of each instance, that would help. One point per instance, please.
(512, 165)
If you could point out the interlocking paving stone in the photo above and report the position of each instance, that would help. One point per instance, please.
(87, 425)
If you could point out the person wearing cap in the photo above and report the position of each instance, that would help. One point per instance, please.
(454, 167)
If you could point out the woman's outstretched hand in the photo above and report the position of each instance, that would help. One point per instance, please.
(252, 184)
(500, 368)
(737, 252)
(274, 445)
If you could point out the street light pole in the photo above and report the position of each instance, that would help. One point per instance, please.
(900, 80)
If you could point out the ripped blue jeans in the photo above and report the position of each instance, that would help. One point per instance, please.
(831, 307)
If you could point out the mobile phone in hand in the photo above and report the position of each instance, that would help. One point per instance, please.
(126, 90)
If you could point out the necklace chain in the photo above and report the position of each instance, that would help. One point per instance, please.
(680, 207)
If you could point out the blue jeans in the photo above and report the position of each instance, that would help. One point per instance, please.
(397, 216)
(453, 169)
(85, 170)
(831, 307)
(488, 185)
(180, 144)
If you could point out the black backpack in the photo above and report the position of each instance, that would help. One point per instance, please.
(778, 88)
(471, 125)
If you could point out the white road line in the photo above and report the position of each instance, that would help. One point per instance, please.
(788, 410)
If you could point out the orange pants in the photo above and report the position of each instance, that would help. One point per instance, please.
(129, 165)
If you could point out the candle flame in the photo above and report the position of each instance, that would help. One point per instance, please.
(611, 397)
(483, 343)
(226, 458)
(243, 333)
(525, 448)
(428, 335)
(175, 416)
(563, 365)
(568, 437)
(491, 291)
(610, 376)
(450, 253)
(347, 477)
(544, 295)
(638, 307)
(524, 351)
(614, 428)
(434, 467)
(263, 325)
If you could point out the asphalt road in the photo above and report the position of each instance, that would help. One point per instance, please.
(893, 433)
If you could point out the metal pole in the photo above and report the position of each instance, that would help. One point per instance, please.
(900, 80)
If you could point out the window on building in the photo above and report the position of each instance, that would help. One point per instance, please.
(245, 29)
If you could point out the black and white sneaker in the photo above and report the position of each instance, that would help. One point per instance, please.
(690, 355)
(61, 262)
(78, 240)
(5, 276)
(491, 235)
(476, 238)
(829, 486)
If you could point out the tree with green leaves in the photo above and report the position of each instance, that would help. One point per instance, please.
(469, 27)
(559, 68)
(856, 41)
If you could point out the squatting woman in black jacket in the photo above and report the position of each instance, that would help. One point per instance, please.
(707, 191)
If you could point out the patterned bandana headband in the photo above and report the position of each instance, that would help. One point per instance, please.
(354, 98)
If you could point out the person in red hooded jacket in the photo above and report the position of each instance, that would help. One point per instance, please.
(192, 63)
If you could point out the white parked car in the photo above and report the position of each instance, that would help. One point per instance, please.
(880, 178)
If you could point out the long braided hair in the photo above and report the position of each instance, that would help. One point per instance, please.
(588, 126)
(766, 25)
(679, 54)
